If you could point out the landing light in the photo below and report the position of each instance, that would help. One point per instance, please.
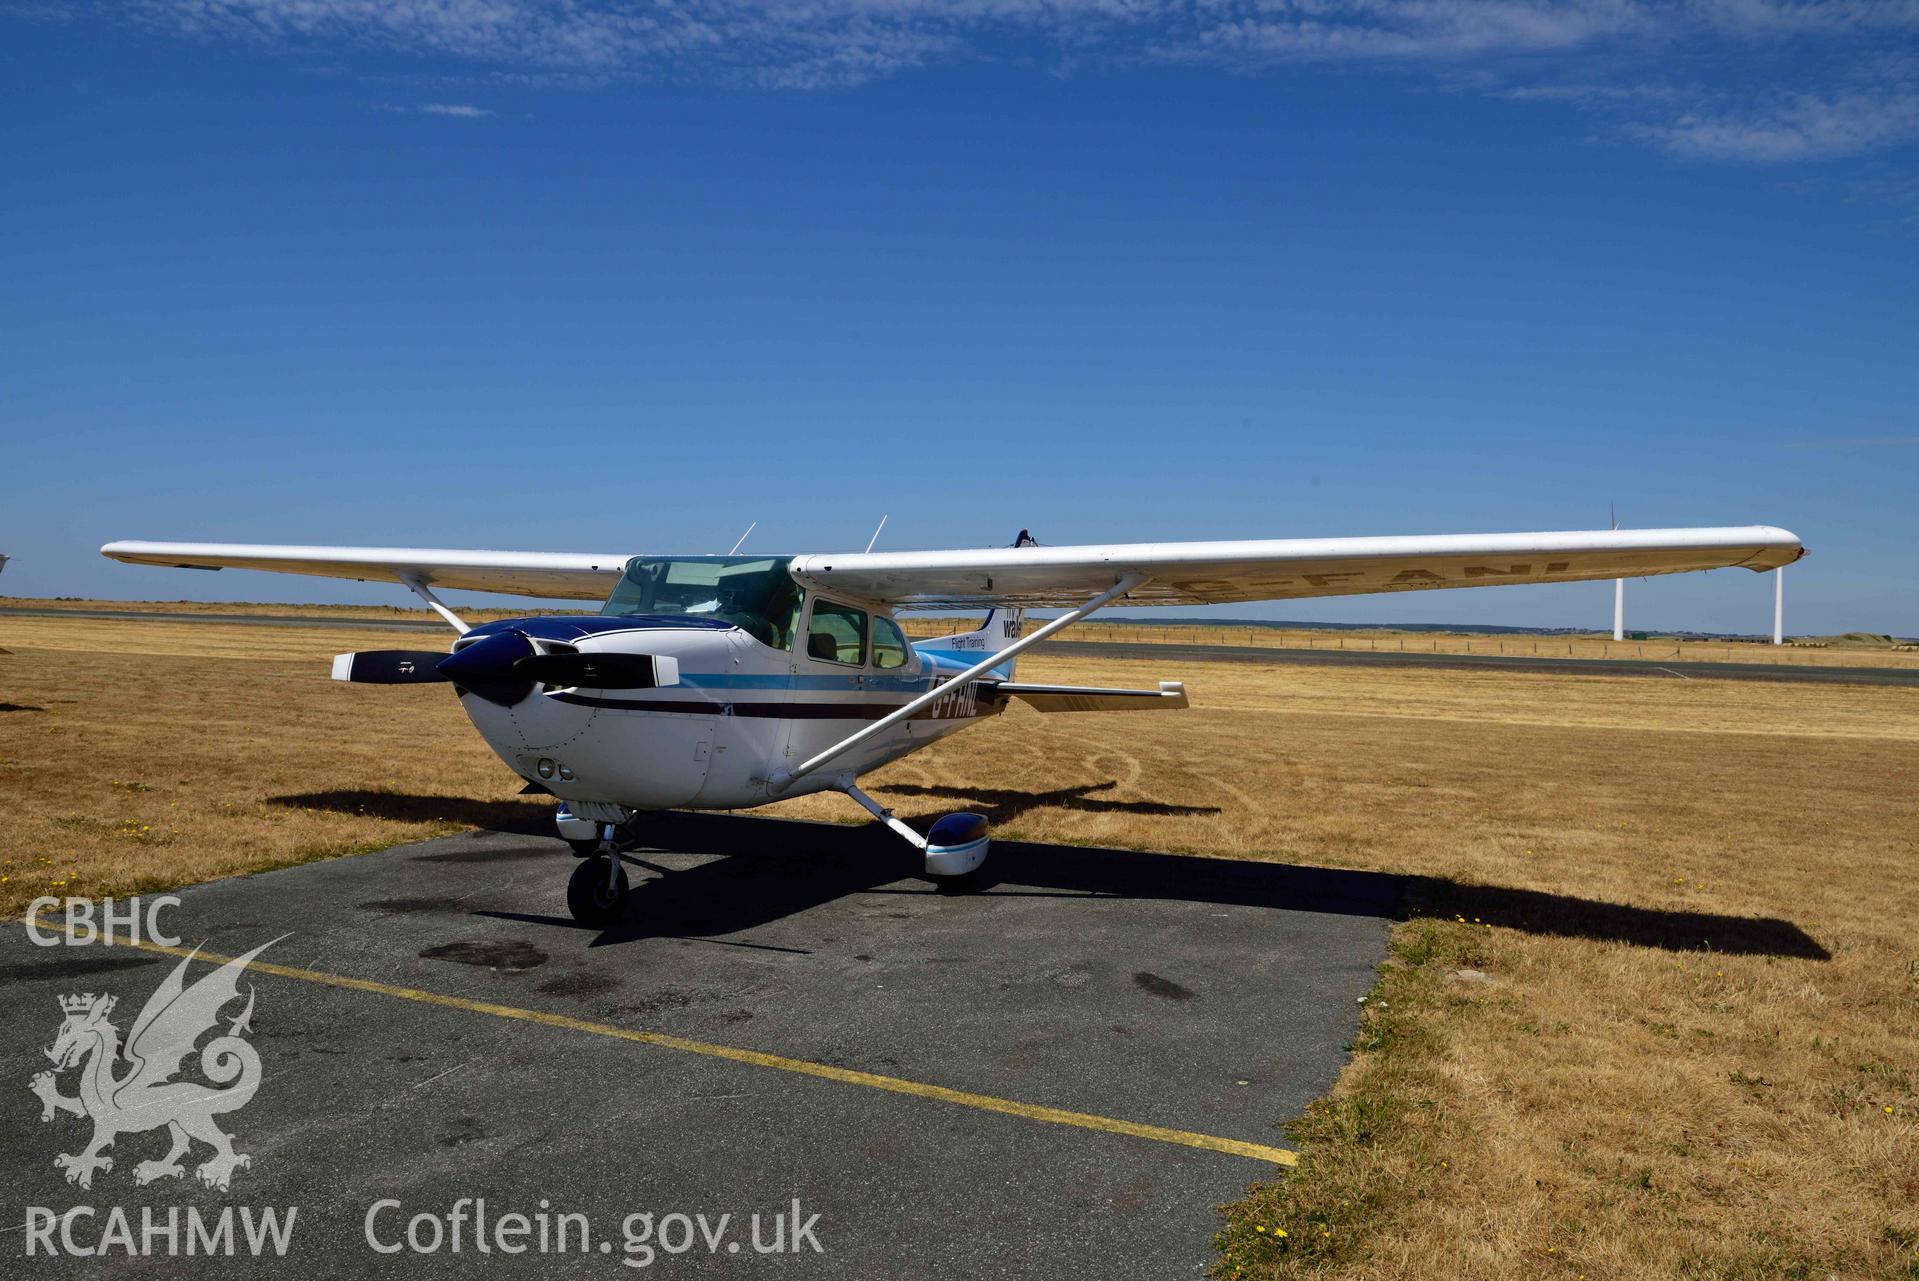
(545, 767)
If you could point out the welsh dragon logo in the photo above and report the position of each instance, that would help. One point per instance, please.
(134, 1089)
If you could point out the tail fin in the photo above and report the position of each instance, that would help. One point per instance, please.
(1001, 628)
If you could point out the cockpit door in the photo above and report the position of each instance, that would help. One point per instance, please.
(829, 669)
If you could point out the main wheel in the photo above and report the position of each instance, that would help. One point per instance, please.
(965, 883)
(596, 895)
(956, 850)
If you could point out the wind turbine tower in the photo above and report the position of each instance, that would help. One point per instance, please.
(1618, 592)
(1779, 606)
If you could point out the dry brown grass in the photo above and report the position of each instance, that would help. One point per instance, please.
(141, 755)
(1612, 1101)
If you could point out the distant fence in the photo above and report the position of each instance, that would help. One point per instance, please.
(1576, 647)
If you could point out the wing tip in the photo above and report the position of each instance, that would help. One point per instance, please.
(1782, 547)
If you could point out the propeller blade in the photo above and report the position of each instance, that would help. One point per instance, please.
(591, 671)
(389, 667)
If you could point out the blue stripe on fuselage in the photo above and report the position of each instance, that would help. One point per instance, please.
(873, 684)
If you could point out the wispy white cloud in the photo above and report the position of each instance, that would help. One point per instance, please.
(1322, 30)
(1806, 17)
(1804, 127)
(1748, 81)
(457, 110)
(1592, 95)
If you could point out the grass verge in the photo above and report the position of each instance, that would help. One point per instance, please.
(1688, 1047)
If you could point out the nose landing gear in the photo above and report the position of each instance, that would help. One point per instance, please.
(597, 893)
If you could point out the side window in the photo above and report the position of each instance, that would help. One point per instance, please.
(782, 611)
(889, 645)
(837, 633)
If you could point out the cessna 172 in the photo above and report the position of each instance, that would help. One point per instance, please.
(726, 682)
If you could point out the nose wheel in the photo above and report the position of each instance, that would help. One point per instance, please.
(597, 893)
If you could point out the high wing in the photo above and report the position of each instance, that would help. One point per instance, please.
(1218, 572)
(1196, 573)
(561, 575)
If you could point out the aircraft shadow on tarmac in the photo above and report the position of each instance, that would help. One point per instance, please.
(765, 869)
(407, 807)
(1002, 805)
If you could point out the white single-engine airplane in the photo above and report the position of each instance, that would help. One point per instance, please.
(726, 682)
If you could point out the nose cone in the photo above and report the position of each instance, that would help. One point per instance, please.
(485, 668)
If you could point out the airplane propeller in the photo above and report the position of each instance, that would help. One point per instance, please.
(389, 667)
(503, 668)
(593, 671)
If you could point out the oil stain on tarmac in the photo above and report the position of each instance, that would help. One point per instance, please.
(509, 956)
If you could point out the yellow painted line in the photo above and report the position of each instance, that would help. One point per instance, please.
(779, 1062)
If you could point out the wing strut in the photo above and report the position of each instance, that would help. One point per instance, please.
(846, 784)
(418, 587)
(784, 778)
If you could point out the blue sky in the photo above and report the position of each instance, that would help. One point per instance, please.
(501, 273)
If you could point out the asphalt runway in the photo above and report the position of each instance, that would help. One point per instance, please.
(1676, 669)
(1060, 1075)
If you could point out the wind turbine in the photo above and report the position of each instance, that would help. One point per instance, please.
(1618, 590)
(1779, 606)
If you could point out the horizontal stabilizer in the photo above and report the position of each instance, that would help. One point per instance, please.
(1170, 696)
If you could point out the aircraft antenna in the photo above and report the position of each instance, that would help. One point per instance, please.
(876, 533)
(749, 529)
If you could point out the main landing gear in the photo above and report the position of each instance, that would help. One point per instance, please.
(954, 850)
(955, 853)
(598, 891)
